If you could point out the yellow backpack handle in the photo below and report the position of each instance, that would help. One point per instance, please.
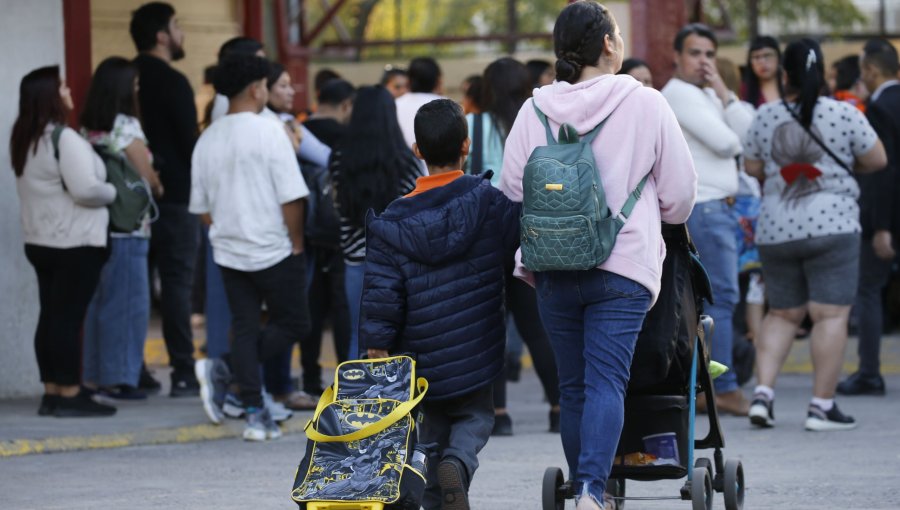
(369, 430)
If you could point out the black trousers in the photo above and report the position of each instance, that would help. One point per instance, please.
(67, 279)
(283, 288)
(521, 302)
(874, 275)
(326, 294)
(174, 243)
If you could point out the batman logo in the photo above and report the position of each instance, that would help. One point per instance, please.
(360, 420)
(354, 374)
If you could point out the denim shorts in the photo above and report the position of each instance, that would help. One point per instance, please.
(822, 270)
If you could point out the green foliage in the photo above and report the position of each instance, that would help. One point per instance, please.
(834, 15)
(377, 19)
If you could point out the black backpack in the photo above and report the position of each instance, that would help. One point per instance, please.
(323, 225)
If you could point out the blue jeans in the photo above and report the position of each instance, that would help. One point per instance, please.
(218, 315)
(593, 319)
(712, 226)
(115, 325)
(353, 285)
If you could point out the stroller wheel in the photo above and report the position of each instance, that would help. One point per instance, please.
(701, 489)
(734, 485)
(705, 464)
(551, 498)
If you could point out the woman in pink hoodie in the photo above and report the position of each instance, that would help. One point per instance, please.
(593, 317)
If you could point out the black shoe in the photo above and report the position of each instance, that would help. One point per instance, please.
(453, 480)
(818, 420)
(859, 384)
(554, 421)
(502, 425)
(81, 405)
(148, 383)
(184, 385)
(122, 392)
(48, 405)
(762, 411)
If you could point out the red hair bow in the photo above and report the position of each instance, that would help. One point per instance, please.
(794, 170)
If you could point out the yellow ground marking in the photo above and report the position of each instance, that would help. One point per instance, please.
(178, 435)
(798, 361)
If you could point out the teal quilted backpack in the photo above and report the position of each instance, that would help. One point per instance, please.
(566, 223)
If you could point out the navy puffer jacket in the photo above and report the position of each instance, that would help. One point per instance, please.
(434, 282)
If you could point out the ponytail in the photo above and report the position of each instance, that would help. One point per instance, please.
(805, 69)
(579, 37)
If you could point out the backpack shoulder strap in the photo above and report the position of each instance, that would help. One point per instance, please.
(54, 137)
(543, 119)
(477, 150)
(566, 131)
(632, 199)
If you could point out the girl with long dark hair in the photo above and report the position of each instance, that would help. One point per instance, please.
(371, 167)
(63, 194)
(806, 147)
(506, 85)
(762, 77)
(117, 319)
(593, 317)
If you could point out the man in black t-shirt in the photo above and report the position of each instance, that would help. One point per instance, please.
(335, 101)
(169, 118)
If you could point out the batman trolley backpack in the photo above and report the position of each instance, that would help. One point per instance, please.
(566, 223)
(361, 453)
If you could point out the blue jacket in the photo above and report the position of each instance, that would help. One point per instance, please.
(434, 282)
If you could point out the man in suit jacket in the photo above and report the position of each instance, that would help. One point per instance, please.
(879, 217)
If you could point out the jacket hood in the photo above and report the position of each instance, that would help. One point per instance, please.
(585, 105)
(438, 225)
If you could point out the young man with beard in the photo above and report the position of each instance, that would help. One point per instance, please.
(169, 118)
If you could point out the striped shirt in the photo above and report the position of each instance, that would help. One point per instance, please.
(353, 237)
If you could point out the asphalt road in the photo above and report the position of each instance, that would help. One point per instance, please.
(786, 467)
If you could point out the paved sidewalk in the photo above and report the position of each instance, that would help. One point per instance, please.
(164, 420)
(786, 467)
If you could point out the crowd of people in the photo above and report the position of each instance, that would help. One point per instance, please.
(395, 212)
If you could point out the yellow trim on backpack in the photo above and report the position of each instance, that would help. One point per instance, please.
(371, 429)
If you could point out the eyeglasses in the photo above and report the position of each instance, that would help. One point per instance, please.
(759, 57)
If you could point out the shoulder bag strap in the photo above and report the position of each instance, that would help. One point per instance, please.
(369, 430)
(816, 138)
(477, 145)
(54, 137)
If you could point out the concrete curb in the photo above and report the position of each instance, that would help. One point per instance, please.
(175, 435)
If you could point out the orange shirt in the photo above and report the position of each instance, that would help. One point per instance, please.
(429, 182)
(849, 97)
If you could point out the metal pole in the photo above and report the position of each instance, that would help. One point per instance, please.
(753, 18)
(513, 27)
(883, 17)
(398, 26)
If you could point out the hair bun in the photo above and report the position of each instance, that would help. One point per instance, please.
(567, 70)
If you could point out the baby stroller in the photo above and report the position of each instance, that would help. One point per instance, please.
(671, 364)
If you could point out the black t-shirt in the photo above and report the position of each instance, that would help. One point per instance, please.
(328, 131)
(169, 118)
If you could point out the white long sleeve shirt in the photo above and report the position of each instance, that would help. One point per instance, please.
(714, 134)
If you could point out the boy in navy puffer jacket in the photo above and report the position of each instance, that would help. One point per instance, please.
(434, 287)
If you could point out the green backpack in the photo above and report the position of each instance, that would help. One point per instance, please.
(133, 198)
(566, 223)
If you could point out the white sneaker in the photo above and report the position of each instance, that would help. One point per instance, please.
(260, 426)
(276, 409)
(203, 369)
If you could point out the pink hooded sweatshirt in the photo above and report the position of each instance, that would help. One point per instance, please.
(641, 136)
